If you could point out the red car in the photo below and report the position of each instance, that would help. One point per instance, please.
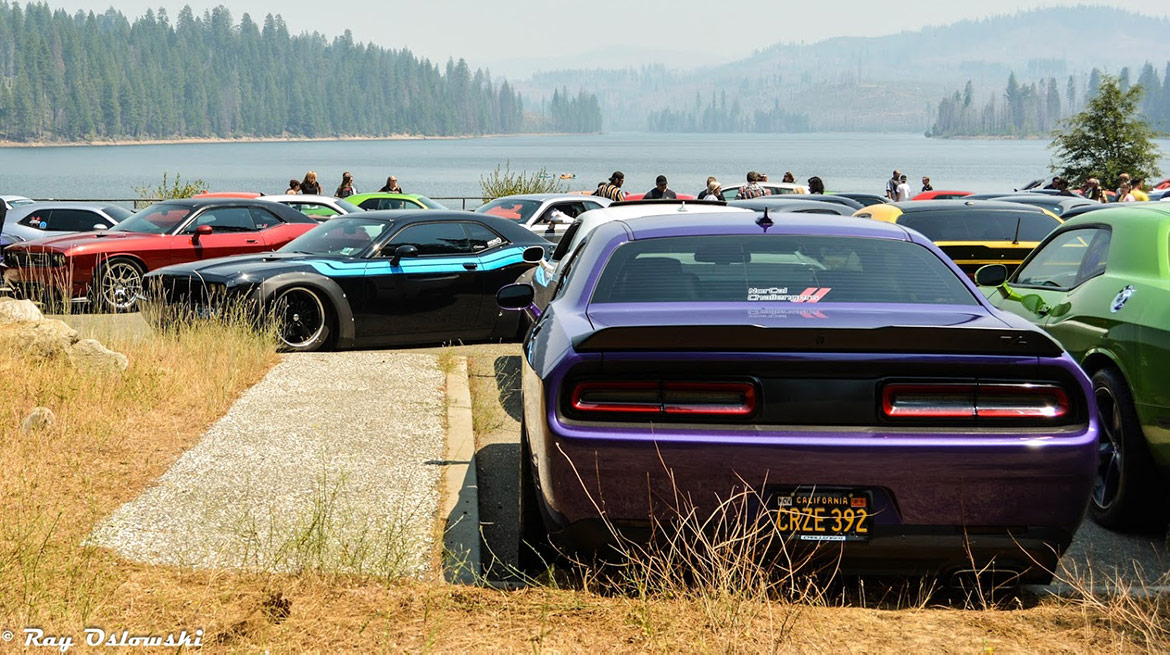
(941, 195)
(106, 267)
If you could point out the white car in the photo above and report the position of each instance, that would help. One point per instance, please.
(731, 191)
(547, 214)
(321, 208)
(15, 201)
(545, 275)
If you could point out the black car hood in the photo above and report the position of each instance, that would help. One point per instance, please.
(256, 267)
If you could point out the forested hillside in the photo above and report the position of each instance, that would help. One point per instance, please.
(1035, 109)
(70, 77)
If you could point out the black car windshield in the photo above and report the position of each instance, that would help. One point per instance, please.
(778, 269)
(516, 209)
(117, 213)
(161, 218)
(340, 236)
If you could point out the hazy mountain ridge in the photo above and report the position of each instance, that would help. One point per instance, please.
(890, 82)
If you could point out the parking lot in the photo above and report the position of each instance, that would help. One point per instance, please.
(1139, 560)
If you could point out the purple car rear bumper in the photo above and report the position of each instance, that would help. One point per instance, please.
(938, 506)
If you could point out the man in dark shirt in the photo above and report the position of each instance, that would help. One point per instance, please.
(612, 190)
(660, 191)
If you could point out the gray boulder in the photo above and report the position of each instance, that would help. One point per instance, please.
(90, 354)
(40, 418)
(18, 311)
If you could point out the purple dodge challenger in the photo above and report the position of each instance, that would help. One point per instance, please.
(845, 372)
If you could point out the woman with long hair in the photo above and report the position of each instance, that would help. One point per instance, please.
(309, 185)
(345, 189)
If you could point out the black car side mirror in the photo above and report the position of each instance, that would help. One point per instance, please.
(515, 296)
(991, 275)
(403, 251)
(533, 254)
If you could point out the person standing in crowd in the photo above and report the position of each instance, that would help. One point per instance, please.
(926, 184)
(816, 185)
(309, 185)
(1093, 191)
(391, 186)
(1139, 194)
(752, 189)
(294, 187)
(1122, 179)
(713, 191)
(612, 189)
(789, 178)
(902, 191)
(1061, 186)
(1054, 184)
(892, 185)
(1124, 193)
(660, 190)
(346, 188)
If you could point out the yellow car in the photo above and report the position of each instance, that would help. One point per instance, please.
(972, 232)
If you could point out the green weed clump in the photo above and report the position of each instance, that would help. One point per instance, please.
(503, 181)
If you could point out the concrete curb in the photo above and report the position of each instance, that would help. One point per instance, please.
(461, 543)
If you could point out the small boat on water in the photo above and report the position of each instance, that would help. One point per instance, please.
(568, 176)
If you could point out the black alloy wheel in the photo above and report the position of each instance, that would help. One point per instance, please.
(1126, 489)
(302, 319)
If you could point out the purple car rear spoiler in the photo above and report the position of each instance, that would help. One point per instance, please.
(891, 339)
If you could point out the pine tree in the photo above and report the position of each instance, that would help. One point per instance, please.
(1107, 139)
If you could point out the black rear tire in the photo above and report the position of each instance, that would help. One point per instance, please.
(1127, 492)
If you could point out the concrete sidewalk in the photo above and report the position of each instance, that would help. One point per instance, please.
(333, 461)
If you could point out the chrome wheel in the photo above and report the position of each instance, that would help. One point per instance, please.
(1110, 449)
(121, 284)
(300, 317)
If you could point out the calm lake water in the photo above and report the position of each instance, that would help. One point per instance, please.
(846, 161)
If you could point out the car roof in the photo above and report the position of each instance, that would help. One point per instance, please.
(914, 206)
(701, 223)
(507, 227)
(289, 197)
(795, 204)
(547, 196)
(383, 194)
(62, 204)
(1147, 212)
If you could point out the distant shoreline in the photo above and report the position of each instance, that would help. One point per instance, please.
(263, 139)
(990, 137)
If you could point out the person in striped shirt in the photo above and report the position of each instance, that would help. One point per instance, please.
(613, 188)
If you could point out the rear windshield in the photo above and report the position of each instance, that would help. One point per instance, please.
(778, 269)
(516, 209)
(117, 213)
(980, 225)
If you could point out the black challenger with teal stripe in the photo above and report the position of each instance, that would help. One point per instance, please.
(382, 278)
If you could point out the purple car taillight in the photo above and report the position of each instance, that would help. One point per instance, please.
(657, 397)
(1039, 402)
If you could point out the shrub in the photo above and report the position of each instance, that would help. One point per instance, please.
(503, 181)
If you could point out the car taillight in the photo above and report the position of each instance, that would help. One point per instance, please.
(958, 401)
(665, 397)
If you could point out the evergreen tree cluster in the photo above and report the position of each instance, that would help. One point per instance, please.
(91, 76)
(718, 116)
(569, 114)
(1038, 108)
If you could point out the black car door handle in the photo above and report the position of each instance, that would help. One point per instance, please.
(471, 266)
(251, 241)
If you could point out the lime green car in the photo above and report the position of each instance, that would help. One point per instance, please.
(377, 200)
(1100, 284)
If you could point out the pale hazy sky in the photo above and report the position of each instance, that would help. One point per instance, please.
(515, 38)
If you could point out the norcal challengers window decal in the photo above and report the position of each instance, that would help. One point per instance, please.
(781, 294)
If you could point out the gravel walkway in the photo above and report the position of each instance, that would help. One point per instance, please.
(329, 463)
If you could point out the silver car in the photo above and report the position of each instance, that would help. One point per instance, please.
(547, 214)
(15, 201)
(321, 208)
(45, 219)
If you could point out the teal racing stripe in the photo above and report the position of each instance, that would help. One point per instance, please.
(490, 262)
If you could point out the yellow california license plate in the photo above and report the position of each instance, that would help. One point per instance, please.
(825, 515)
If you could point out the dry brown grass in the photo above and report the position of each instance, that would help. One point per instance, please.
(115, 434)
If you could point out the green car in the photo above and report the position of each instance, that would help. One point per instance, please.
(372, 201)
(1100, 284)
